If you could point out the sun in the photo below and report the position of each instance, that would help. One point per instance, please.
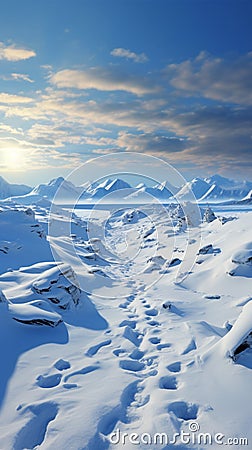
(12, 158)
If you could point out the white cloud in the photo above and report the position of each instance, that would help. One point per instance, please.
(14, 99)
(21, 77)
(103, 80)
(227, 80)
(7, 129)
(14, 53)
(128, 54)
(151, 143)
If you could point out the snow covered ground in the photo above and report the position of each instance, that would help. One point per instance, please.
(143, 326)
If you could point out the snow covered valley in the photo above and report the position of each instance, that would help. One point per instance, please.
(127, 321)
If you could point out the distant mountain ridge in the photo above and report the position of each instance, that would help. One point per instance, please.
(8, 189)
(214, 188)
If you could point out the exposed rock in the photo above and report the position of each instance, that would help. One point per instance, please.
(247, 343)
(47, 322)
(59, 285)
(167, 305)
(224, 220)
(155, 263)
(3, 299)
(37, 312)
(206, 249)
(242, 262)
(174, 262)
(209, 215)
(243, 257)
(158, 260)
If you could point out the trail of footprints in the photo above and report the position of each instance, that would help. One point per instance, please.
(143, 366)
(137, 362)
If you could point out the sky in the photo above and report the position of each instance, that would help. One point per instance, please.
(81, 79)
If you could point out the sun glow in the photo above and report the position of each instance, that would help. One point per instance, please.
(12, 158)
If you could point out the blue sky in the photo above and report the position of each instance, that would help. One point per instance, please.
(85, 78)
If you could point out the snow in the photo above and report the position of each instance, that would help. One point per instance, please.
(197, 186)
(227, 183)
(135, 319)
(214, 188)
(67, 190)
(34, 313)
(8, 189)
(239, 332)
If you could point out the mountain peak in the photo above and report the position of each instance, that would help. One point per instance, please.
(56, 181)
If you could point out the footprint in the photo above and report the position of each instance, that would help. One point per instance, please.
(131, 298)
(154, 340)
(190, 347)
(168, 382)
(33, 433)
(156, 331)
(154, 323)
(183, 410)
(93, 350)
(136, 354)
(84, 371)
(147, 306)
(133, 366)
(128, 323)
(132, 336)
(109, 420)
(118, 351)
(161, 346)
(49, 381)
(62, 364)
(152, 373)
(151, 312)
(174, 367)
(124, 305)
(70, 385)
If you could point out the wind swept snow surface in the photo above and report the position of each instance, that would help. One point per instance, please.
(128, 320)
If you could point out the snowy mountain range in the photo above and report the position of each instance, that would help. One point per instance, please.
(215, 188)
(9, 190)
(212, 189)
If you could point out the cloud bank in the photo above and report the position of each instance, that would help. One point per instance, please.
(102, 79)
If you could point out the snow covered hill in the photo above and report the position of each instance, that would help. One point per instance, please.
(67, 189)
